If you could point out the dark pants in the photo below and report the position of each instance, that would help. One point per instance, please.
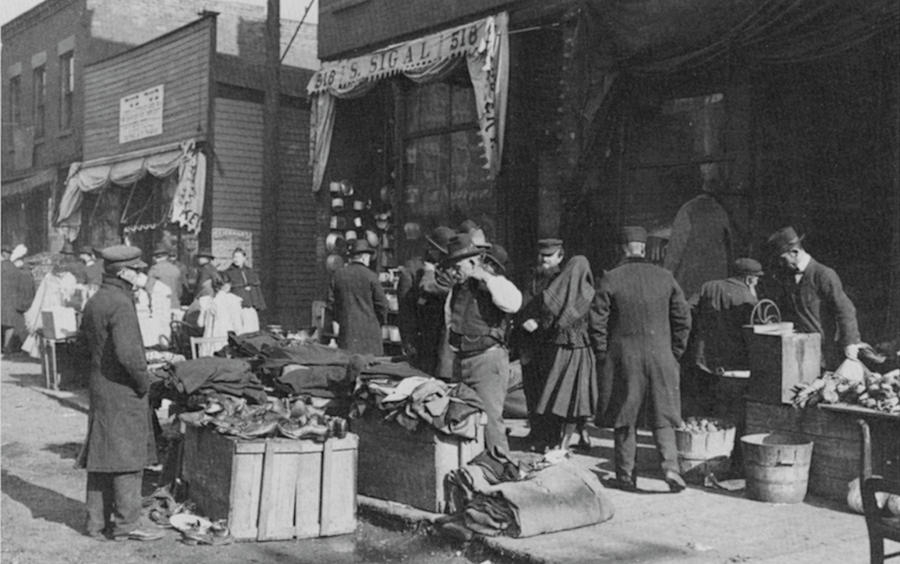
(626, 449)
(488, 374)
(544, 427)
(113, 502)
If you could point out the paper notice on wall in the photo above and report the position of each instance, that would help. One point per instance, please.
(225, 241)
(141, 114)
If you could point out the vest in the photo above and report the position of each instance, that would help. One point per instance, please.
(475, 322)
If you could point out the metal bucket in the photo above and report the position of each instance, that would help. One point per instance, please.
(776, 467)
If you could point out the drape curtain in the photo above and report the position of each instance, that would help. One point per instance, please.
(188, 200)
(485, 46)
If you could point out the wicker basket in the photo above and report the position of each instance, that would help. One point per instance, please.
(702, 453)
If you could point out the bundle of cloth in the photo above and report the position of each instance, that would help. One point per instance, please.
(451, 409)
(209, 375)
(492, 495)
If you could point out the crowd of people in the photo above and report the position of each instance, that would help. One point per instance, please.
(591, 350)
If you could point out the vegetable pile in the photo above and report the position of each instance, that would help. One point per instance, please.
(855, 386)
(698, 425)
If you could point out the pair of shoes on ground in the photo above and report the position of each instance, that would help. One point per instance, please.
(143, 535)
(629, 483)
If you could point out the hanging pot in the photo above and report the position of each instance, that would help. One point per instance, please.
(333, 222)
(333, 242)
(350, 235)
(372, 238)
(334, 187)
(346, 188)
(337, 204)
(359, 205)
(357, 221)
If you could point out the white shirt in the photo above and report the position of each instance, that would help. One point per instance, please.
(802, 263)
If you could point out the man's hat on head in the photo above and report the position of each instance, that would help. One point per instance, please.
(359, 246)
(87, 250)
(549, 246)
(498, 256)
(67, 249)
(747, 267)
(460, 247)
(784, 240)
(475, 232)
(634, 234)
(163, 249)
(122, 256)
(439, 238)
(205, 252)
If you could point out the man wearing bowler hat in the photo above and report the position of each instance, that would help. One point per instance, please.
(719, 345)
(206, 273)
(476, 311)
(167, 273)
(643, 328)
(810, 295)
(358, 303)
(120, 442)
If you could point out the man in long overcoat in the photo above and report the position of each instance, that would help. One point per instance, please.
(120, 442)
(17, 293)
(643, 328)
(358, 303)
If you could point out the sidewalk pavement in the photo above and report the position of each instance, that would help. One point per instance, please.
(699, 525)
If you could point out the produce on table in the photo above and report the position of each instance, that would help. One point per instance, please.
(880, 392)
(697, 425)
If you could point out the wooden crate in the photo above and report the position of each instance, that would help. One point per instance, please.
(780, 362)
(273, 489)
(836, 438)
(409, 467)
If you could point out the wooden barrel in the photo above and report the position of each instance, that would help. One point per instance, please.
(776, 467)
(702, 453)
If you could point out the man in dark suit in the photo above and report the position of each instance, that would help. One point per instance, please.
(167, 273)
(206, 273)
(810, 295)
(643, 328)
(120, 442)
(358, 303)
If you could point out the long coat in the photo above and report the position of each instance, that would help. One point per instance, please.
(719, 342)
(358, 304)
(17, 290)
(643, 328)
(700, 248)
(120, 436)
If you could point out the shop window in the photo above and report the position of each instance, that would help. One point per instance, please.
(66, 89)
(15, 100)
(444, 177)
(39, 91)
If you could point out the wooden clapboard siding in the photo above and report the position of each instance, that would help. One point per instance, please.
(180, 60)
(237, 171)
(301, 277)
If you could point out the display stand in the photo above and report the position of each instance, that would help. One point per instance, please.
(50, 357)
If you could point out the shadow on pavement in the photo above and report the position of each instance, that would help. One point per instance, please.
(44, 503)
(66, 451)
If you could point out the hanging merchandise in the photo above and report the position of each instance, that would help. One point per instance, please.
(350, 235)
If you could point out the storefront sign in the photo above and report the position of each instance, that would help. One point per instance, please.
(141, 114)
(225, 241)
(410, 56)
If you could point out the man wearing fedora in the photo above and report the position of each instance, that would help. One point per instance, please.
(811, 296)
(120, 442)
(719, 343)
(476, 313)
(167, 273)
(643, 327)
(358, 303)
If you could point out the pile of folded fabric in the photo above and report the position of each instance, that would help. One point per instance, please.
(492, 495)
(451, 409)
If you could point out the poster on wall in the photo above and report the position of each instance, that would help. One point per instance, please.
(225, 241)
(141, 114)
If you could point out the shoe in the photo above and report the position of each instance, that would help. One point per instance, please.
(97, 535)
(675, 481)
(584, 440)
(140, 535)
(624, 483)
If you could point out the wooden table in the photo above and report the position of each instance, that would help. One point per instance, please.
(49, 357)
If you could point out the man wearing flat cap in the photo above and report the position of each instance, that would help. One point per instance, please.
(719, 343)
(811, 296)
(120, 442)
(643, 331)
(358, 303)
(476, 315)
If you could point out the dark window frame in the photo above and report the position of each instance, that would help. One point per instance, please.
(39, 100)
(66, 89)
(15, 100)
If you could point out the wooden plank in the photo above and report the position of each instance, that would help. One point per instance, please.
(339, 492)
(246, 485)
(328, 484)
(276, 519)
(308, 498)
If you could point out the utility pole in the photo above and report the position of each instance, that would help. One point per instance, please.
(269, 245)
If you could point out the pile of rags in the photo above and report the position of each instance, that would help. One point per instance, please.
(211, 375)
(494, 496)
(451, 409)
